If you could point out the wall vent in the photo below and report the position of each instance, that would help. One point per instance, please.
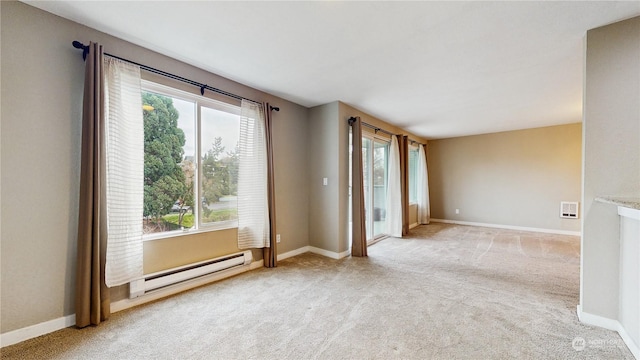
(569, 209)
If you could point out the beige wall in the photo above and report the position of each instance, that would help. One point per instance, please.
(42, 80)
(323, 136)
(611, 156)
(329, 157)
(515, 178)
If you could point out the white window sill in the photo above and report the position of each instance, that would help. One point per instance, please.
(223, 225)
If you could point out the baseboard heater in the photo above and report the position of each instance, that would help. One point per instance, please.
(182, 274)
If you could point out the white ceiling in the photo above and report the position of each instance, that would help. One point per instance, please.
(438, 69)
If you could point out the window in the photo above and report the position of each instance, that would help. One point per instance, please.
(219, 156)
(413, 179)
(190, 162)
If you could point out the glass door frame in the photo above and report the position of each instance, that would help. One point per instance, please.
(371, 215)
(373, 138)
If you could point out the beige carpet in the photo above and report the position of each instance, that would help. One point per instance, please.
(444, 292)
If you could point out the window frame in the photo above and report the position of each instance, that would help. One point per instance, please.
(199, 102)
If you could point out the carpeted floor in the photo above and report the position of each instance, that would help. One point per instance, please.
(443, 292)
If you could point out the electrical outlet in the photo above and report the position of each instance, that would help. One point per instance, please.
(277, 238)
(457, 211)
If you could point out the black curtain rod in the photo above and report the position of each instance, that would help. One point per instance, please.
(203, 87)
(377, 129)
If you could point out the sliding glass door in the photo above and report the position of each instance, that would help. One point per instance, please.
(375, 155)
(377, 179)
(375, 161)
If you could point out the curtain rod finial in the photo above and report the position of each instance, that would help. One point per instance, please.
(85, 48)
(274, 108)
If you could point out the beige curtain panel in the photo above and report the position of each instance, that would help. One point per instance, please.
(124, 144)
(422, 193)
(92, 295)
(394, 191)
(270, 254)
(358, 230)
(253, 206)
(256, 189)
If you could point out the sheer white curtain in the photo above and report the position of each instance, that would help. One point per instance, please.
(253, 207)
(394, 192)
(422, 192)
(124, 148)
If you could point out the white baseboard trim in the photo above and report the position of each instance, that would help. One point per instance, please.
(314, 250)
(603, 322)
(509, 227)
(344, 254)
(633, 347)
(413, 225)
(293, 253)
(33, 331)
(329, 254)
(597, 320)
(375, 240)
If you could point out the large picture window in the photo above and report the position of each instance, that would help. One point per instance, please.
(190, 162)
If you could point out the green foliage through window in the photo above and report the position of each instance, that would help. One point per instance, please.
(173, 180)
(165, 182)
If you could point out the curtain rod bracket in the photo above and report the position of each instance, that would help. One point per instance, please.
(85, 48)
(351, 120)
(202, 89)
